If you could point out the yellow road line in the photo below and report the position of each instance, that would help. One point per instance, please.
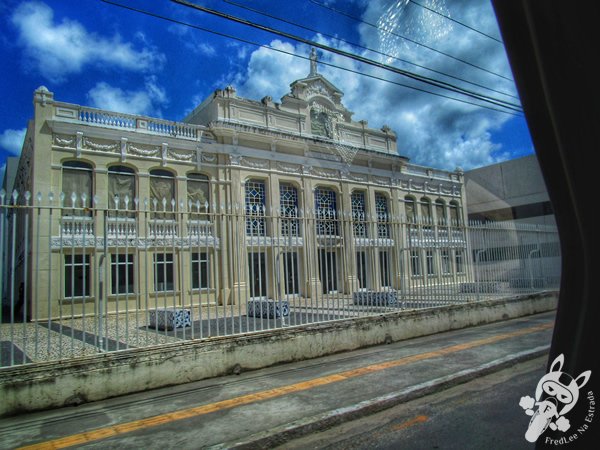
(136, 425)
(410, 423)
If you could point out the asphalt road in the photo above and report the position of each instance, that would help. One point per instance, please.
(481, 414)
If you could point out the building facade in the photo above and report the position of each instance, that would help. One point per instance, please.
(243, 199)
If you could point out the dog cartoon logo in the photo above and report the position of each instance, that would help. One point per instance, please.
(556, 394)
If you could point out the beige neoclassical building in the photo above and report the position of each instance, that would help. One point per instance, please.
(242, 199)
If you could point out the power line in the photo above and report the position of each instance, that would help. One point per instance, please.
(456, 21)
(245, 41)
(312, 30)
(337, 11)
(423, 79)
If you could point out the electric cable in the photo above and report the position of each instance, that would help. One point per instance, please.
(387, 55)
(358, 19)
(353, 56)
(246, 41)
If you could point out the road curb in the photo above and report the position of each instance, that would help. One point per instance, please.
(280, 435)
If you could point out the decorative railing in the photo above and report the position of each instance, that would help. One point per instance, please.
(129, 121)
(163, 228)
(126, 227)
(197, 228)
(77, 226)
(175, 129)
(107, 118)
(121, 227)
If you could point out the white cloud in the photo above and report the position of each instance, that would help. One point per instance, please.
(192, 41)
(270, 72)
(432, 131)
(205, 49)
(147, 101)
(241, 50)
(12, 140)
(57, 50)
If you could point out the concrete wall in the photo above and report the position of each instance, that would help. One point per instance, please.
(55, 384)
(513, 183)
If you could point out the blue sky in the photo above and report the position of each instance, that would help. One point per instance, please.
(92, 53)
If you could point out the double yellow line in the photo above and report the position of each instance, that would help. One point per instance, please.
(136, 425)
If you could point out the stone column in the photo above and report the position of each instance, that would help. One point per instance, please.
(375, 276)
(281, 241)
(350, 277)
(313, 288)
(234, 247)
(37, 151)
(396, 233)
(144, 257)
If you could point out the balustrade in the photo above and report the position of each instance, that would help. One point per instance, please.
(107, 118)
(77, 226)
(160, 228)
(197, 228)
(129, 121)
(121, 227)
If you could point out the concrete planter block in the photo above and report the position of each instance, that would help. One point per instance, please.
(170, 318)
(270, 309)
(482, 287)
(374, 298)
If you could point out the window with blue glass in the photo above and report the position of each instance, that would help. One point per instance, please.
(288, 201)
(382, 212)
(255, 208)
(358, 213)
(325, 209)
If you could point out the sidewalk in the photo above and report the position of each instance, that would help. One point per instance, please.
(266, 407)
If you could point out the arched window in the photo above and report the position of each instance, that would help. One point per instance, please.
(162, 187)
(121, 188)
(256, 199)
(409, 208)
(326, 209)
(358, 213)
(288, 203)
(440, 211)
(198, 193)
(455, 213)
(290, 226)
(426, 210)
(77, 187)
(382, 211)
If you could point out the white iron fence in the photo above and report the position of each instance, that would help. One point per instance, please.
(78, 279)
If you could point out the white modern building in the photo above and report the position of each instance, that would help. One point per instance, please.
(512, 190)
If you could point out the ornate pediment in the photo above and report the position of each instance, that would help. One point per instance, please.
(317, 87)
(320, 87)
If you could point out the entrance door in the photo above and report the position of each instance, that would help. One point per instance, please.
(328, 270)
(257, 275)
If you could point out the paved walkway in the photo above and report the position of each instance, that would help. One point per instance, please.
(263, 408)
